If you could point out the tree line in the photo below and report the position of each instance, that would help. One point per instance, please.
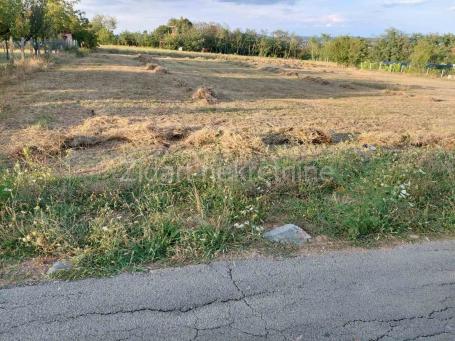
(38, 21)
(393, 46)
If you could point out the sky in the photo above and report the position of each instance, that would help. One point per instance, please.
(303, 17)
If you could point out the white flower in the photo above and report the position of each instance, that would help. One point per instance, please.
(404, 194)
(259, 228)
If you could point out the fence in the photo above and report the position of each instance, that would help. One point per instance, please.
(433, 69)
(48, 46)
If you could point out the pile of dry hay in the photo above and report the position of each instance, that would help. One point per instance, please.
(272, 69)
(155, 68)
(290, 73)
(317, 80)
(145, 58)
(296, 136)
(205, 94)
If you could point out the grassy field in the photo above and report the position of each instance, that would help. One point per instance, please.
(115, 165)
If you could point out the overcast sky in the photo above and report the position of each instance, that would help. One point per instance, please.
(304, 17)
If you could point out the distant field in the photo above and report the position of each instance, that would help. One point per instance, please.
(116, 165)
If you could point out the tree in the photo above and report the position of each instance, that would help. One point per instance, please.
(103, 27)
(128, 38)
(180, 26)
(84, 33)
(314, 47)
(424, 53)
(346, 50)
(21, 26)
(9, 12)
(393, 46)
(37, 23)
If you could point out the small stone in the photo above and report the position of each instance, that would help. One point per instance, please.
(60, 266)
(289, 233)
(370, 147)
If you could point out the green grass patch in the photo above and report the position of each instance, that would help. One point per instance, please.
(161, 210)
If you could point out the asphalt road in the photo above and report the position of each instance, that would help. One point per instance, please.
(406, 293)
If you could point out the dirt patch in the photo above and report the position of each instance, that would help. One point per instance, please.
(205, 94)
(29, 271)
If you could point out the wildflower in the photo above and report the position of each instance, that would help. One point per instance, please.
(259, 228)
(404, 194)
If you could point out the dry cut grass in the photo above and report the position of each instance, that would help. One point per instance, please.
(81, 144)
(125, 103)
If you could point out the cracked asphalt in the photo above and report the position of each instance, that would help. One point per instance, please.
(405, 293)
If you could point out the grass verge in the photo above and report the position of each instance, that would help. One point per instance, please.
(174, 208)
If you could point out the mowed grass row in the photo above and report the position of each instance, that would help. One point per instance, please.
(161, 209)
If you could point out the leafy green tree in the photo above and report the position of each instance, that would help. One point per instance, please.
(346, 50)
(265, 46)
(314, 48)
(128, 38)
(103, 27)
(9, 13)
(393, 46)
(21, 28)
(179, 26)
(38, 25)
(424, 52)
(60, 17)
(84, 33)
